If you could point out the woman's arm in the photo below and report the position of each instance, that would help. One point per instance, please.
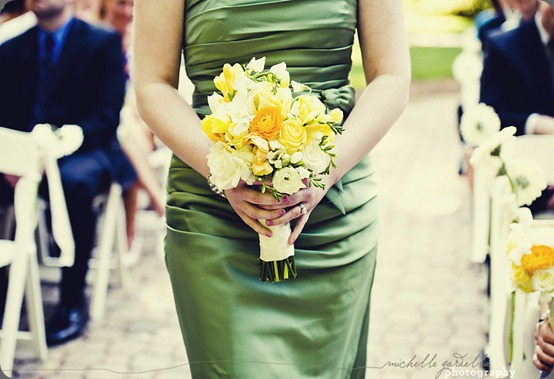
(386, 62)
(157, 56)
(159, 26)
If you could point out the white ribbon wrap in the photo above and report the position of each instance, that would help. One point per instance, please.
(54, 145)
(276, 247)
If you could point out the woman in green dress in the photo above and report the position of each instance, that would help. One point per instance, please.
(234, 325)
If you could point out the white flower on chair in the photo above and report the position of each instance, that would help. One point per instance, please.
(527, 179)
(478, 123)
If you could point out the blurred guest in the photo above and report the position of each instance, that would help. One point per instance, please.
(66, 71)
(87, 10)
(15, 19)
(518, 80)
(135, 136)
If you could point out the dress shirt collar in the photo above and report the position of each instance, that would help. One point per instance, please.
(59, 38)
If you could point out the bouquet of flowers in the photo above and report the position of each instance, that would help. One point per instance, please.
(272, 132)
(531, 253)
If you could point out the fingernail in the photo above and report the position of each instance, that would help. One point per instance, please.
(282, 212)
(285, 199)
(269, 222)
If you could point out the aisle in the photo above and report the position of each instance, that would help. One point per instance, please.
(428, 300)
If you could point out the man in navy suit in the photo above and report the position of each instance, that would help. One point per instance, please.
(65, 71)
(518, 78)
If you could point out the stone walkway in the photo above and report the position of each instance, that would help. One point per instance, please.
(428, 306)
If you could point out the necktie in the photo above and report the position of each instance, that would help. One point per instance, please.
(45, 80)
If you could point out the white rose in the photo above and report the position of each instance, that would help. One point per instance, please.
(227, 166)
(543, 280)
(314, 158)
(287, 180)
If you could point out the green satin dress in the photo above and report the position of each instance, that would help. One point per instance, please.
(234, 325)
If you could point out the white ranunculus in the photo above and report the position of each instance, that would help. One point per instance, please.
(256, 65)
(314, 158)
(227, 166)
(478, 123)
(519, 243)
(527, 177)
(543, 280)
(287, 180)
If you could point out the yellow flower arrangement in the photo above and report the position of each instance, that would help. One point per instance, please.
(273, 132)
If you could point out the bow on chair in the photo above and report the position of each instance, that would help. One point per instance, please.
(56, 143)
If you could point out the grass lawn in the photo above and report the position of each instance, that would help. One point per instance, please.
(428, 63)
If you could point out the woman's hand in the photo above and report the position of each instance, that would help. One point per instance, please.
(251, 205)
(543, 358)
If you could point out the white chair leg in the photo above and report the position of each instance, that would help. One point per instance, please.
(104, 253)
(14, 302)
(481, 217)
(35, 309)
(124, 258)
(518, 334)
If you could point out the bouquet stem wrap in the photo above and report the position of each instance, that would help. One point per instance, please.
(276, 255)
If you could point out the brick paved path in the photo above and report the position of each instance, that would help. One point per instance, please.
(428, 300)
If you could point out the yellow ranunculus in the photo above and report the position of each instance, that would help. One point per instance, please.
(541, 257)
(522, 279)
(216, 126)
(267, 123)
(224, 82)
(293, 135)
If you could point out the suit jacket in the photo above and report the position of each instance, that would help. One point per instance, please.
(88, 90)
(517, 80)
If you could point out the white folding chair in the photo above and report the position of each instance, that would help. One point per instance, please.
(20, 155)
(502, 214)
(111, 251)
(539, 148)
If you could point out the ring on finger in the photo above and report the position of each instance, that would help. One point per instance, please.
(303, 209)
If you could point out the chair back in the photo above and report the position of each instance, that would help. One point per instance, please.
(539, 148)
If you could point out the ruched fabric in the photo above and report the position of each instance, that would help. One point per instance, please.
(233, 325)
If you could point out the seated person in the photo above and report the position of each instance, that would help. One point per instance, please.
(517, 79)
(84, 86)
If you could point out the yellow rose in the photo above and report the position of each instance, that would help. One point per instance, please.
(309, 108)
(216, 126)
(267, 123)
(224, 82)
(522, 279)
(293, 135)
